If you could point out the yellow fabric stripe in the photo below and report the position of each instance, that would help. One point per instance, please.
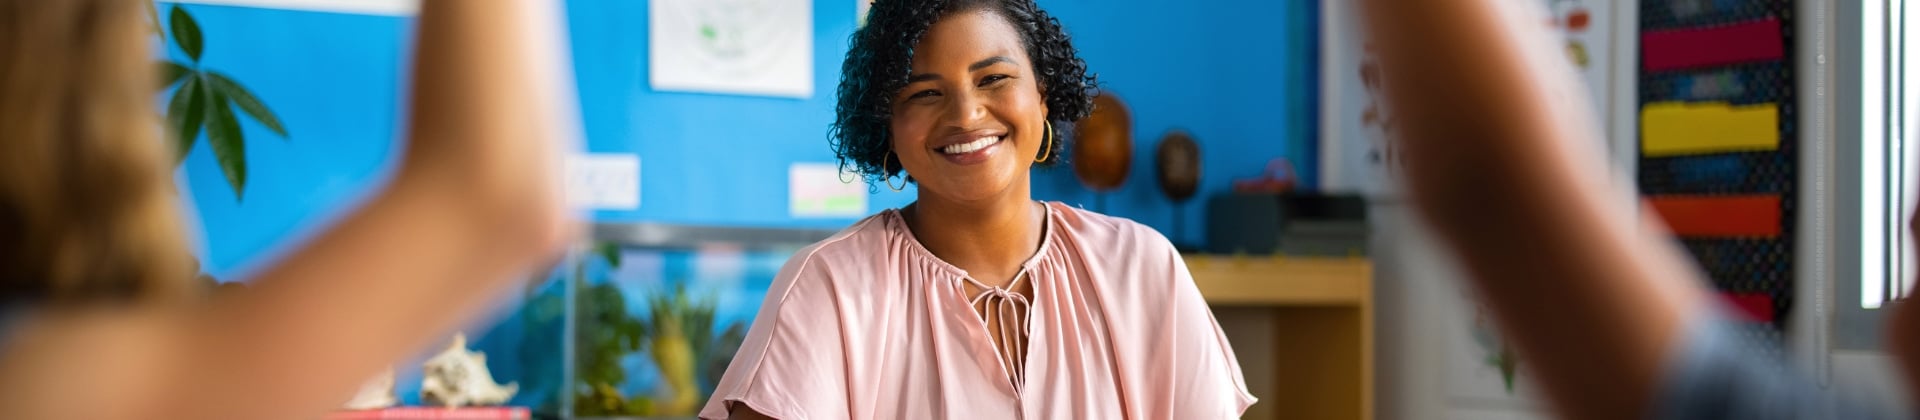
(1681, 128)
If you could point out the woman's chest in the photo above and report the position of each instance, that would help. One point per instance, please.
(926, 351)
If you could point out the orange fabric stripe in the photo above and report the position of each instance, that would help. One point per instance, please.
(1720, 216)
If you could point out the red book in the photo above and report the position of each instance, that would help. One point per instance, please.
(435, 413)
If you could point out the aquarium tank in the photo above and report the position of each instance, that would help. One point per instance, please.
(657, 312)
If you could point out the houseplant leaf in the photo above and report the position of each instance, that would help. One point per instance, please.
(610, 252)
(186, 112)
(229, 147)
(247, 103)
(186, 32)
(171, 73)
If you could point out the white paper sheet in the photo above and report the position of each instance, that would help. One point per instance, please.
(749, 47)
(820, 190)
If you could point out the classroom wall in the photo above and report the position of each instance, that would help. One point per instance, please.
(1239, 75)
(705, 159)
(333, 81)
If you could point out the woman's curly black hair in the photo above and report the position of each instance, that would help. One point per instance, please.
(881, 57)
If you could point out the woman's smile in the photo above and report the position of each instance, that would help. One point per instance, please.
(970, 148)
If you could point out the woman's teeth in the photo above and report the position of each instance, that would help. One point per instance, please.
(970, 147)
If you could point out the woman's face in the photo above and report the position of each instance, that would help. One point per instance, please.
(971, 120)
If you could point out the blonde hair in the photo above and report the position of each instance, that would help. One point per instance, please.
(86, 199)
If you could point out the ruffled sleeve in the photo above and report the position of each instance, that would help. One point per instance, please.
(791, 365)
(1205, 377)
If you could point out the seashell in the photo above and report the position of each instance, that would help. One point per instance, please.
(459, 378)
(375, 394)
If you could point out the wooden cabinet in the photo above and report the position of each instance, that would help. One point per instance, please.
(1302, 328)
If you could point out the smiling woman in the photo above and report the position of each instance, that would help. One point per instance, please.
(877, 75)
(976, 301)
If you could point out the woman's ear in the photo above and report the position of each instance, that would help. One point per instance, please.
(1045, 112)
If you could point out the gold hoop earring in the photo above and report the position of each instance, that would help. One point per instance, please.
(1046, 145)
(889, 179)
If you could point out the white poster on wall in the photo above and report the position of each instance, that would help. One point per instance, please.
(1585, 28)
(1352, 125)
(1482, 367)
(747, 47)
(1478, 367)
(1355, 156)
(603, 181)
(821, 190)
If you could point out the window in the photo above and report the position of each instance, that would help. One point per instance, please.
(1889, 127)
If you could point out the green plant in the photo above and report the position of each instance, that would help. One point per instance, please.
(606, 334)
(679, 330)
(1498, 352)
(206, 99)
(677, 336)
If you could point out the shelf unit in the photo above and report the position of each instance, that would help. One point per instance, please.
(1302, 328)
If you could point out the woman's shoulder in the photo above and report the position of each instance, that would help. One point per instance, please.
(859, 245)
(1108, 233)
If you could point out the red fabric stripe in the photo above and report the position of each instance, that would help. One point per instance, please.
(1720, 216)
(1752, 307)
(1680, 49)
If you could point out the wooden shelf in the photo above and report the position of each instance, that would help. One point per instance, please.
(1302, 328)
(1277, 281)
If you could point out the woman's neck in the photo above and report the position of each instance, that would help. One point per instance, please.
(989, 239)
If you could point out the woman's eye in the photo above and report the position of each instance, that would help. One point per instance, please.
(923, 94)
(989, 80)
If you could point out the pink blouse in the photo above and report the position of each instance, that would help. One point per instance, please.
(870, 325)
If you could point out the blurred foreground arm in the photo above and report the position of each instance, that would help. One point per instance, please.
(474, 208)
(1903, 334)
(1502, 159)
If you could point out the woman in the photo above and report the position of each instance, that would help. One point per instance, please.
(975, 301)
(98, 314)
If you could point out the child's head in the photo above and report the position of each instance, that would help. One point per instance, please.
(86, 202)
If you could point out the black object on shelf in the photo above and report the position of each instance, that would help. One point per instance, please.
(1293, 223)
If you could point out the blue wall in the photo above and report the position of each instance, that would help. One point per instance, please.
(704, 158)
(1241, 76)
(333, 81)
(1242, 79)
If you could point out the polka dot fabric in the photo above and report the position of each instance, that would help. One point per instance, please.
(1735, 265)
